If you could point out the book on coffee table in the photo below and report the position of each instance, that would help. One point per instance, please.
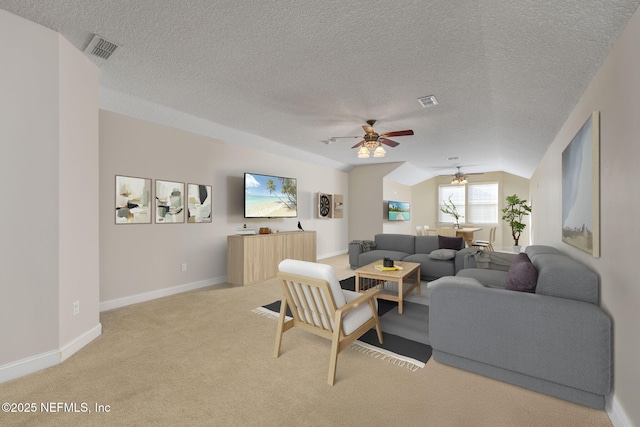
(383, 268)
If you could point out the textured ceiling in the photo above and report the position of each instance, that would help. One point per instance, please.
(292, 73)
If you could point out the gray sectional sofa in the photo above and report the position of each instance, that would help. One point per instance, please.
(437, 256)
(553, 339)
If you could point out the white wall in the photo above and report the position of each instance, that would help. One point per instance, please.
(139, 260)
(48, 180)
(615, 92)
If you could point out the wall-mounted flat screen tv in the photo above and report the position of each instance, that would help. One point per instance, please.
(269, 196)
(399, 211)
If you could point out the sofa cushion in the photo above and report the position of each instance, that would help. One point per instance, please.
(426, 244)
(445, 242)
(489, 278)
(379, 254)
(522, 275)
(563, 277)
(396, 242)
(454, 279)
(443, 254)
(430, 268)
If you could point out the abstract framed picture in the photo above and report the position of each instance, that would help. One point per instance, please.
(581, 188)
(198, 203)
(169, 202)
(133, 200)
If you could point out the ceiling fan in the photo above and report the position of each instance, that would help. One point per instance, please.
(371, 141)
(461, 178)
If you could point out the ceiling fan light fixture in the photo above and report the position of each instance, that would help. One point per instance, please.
(363, 152)
(379, 151)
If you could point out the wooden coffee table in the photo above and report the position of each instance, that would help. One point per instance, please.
(369, 276)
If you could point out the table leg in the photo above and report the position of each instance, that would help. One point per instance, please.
(357, 282)
(400, 296)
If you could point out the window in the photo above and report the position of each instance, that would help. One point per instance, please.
(483, 203)
(476, 203)
(457, 194)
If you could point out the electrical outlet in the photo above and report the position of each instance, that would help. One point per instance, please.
(76, 308)
(183, 267)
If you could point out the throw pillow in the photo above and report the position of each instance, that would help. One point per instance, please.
(445, 242)
(443, 254)
(522, 275)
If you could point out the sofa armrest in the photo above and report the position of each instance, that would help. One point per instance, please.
(355, 249)
(560, 340)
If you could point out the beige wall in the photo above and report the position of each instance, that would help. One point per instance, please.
(615, 92)
(78, 181)
(399, 193)
(146, 259)
(366, 187)
(425, 204)
(48, 177)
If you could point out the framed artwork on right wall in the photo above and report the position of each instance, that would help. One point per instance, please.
(581, 188)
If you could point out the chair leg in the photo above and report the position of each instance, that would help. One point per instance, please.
(333, 361)
(281, 329)
(377, 320)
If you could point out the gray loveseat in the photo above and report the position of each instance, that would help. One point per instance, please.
(435, 260)
(555, 340)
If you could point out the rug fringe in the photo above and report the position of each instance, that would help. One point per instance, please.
(368, 349)
(382, 354)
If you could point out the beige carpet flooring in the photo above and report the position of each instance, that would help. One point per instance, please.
(204, 359)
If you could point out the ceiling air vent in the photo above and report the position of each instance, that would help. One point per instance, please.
(100, 49)
(428, 101)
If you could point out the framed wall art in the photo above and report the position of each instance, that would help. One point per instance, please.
(581, 188)
(169, 202)
(133, 200)
(198, 203)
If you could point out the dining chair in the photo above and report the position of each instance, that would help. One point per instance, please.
(320, 306)
(486, 244)
(446, 231)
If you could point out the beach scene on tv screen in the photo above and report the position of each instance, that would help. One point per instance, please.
(270, 196)
(399, 211)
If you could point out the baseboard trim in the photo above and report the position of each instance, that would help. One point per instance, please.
(38, 362)
(332, 254)
(617, 415)
(159, 293)
(77, 344)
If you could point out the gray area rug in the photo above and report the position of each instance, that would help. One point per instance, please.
(406, 336)
(412, 324)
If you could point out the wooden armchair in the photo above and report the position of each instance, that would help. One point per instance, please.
(319, 305)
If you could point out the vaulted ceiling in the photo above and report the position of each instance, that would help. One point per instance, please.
(288, 75)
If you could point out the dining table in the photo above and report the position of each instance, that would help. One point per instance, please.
(467, 234)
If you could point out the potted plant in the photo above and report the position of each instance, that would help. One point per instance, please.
(450, 209)
(514, 212)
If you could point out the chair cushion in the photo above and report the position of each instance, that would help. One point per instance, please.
(355, 317)
(317, 271)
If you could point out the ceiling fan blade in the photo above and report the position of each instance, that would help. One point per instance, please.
(358, 144)
(399, 133)
(368, 130)
(388, 142)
